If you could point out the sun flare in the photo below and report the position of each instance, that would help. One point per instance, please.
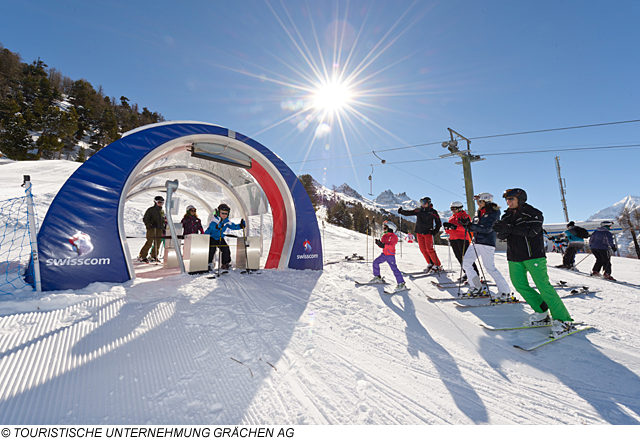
(332, 96)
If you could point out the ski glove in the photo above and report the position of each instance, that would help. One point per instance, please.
(448, 225)
(400, 211)
(379, 243)
(464, 221)
(502, 228)
(242, 224)
(614, 249)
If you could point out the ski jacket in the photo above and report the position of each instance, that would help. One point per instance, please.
(458, 233)
(427, 220)
(571, 237)
(602, 238)
(191, 225)
(154, 218)
(390, 240)
(217, 227)
(482, 225)
(525, 241)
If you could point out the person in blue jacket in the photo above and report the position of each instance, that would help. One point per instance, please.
(574, 244)
(484, 246)
(219, 224)
(602, 244)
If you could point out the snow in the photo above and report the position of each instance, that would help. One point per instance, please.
(305, 347)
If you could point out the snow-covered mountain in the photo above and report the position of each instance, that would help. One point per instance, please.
(613, 211)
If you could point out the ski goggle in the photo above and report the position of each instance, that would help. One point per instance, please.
(224, 212)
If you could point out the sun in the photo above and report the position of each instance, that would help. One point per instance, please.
(332, 96)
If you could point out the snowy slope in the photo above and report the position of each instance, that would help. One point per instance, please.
(305, 347)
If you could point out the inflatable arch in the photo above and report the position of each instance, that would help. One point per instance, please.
(90, 205)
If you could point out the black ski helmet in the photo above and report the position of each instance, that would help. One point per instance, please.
(223, 207)
(518, 193)
(158, 199)
(425, 200)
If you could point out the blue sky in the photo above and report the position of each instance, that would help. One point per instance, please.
(413, 69)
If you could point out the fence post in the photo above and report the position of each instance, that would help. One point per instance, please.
(33, 233)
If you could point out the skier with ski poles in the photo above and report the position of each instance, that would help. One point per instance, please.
(388, 243)
(575, 236)
(219, 224)
(191, 224)
(458, 238)
(602, 245)
(427, 226)
(484, 245)
(521, 226)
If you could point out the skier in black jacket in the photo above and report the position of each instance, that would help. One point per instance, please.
(428, 224)
(521, 226)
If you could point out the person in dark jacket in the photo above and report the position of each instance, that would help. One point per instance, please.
(484, 245)
(521, 226)
(427, 226)
(602, 244)
(155, 222)
(458, 236)
(191, 224)
(219, 224)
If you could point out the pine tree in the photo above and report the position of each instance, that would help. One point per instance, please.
(629, 220)
(81, 157)
(307, 182)
(15, 141)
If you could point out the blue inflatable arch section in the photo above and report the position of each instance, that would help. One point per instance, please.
(90, 205)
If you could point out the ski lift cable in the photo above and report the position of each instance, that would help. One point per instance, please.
(475, 138)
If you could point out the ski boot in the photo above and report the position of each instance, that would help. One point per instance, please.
(560, 328)
(538, 319)
(503, 298)
(475, 292)
(428, 269)
(607, 276)
(376, 280)
(400, 287)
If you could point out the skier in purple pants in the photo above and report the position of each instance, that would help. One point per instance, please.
(388, 243)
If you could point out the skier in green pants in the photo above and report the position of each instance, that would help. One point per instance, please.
(521, 226)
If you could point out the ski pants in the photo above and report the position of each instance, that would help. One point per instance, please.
(570, 254)
(548, 298)
(425, 243)
(154, 237)
(603, 260)
(391, 259)
(459, 248)
(224, 250)
(485, 252)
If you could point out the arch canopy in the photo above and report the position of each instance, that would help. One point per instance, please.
(82, 238)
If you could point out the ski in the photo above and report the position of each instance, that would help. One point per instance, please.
(522, 327)
(446, 285)
(454, 298)
(424, 275)
(622, 283)
(397, 291)
(216, 276)
(578, 329)
(370, 284)
(575, 292)
(250, 272)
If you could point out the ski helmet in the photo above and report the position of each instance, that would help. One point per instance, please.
(486, 197)
(158, 199)
(425, 200)
(518, 193)
(458, 205)
(606, 224)
(190, 207)
(571, 223)
(390, 225)
(223, 207)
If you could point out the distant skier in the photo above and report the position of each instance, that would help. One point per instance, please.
(388, 243)
(575, 236)
(602, 245)
(155, 221)
(521, 226)
(427, 226)
(484, 245)
(219, 224)
(191, 224)
(458, 238)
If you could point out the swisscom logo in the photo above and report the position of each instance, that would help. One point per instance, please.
(81, 245)
(307, 251)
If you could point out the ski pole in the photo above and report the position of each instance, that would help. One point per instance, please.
(323, 254)
(576, 265)
(479, 263)
(401, 236)
(367, 218)
(246, 256)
